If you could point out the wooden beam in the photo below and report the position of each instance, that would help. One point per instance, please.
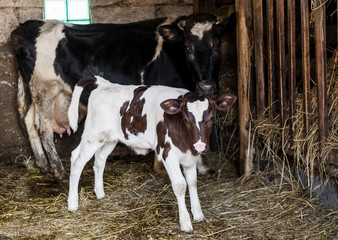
(320, 48)
(259, 58)
(304, 11)
(292, 61)
(244, 19)
(281, 58)
(271, 59)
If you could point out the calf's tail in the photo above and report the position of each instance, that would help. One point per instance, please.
(73, 110)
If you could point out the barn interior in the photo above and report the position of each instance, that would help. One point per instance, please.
(286, 194)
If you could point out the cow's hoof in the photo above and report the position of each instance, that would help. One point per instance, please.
(44, 168)
(61, 176)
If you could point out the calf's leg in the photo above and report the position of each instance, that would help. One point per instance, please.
(179, 186)
(191, 178)
(99, 164)
(80, 156)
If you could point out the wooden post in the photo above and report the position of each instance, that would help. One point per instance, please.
(281, 58)
(259, 59)
(292, 61)
(244, 20)
(210, 6)
(271, 58)
(304, 10)
(196, 6)
(320, 42)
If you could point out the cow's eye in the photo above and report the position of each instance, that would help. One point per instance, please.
(185, 120)
(188, 48)
(217, 45)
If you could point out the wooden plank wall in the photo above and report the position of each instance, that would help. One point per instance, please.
(280, 66)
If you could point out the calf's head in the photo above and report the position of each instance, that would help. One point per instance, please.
(200, 34)
(195, 113)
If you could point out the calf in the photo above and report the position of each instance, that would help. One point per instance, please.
(175, 51)
(172, 121)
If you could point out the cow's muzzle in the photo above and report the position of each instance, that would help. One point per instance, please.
(207, 87)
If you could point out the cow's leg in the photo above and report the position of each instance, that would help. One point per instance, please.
(47, 135)
(21, 100)
(158, 166)
(34, 139)
(100, 162)
(191, 178)
(80, 156)
(179, 186)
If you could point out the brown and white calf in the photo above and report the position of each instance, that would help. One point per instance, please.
(172, 121)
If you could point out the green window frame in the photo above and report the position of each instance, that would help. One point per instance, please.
(71, 11)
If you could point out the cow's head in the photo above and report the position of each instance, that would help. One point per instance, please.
(201, 35)
(197, 112)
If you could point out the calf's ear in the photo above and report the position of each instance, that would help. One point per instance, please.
(171, 33)
(171, 106)
(225, 101)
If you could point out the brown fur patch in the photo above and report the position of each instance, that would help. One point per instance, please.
(132, 119)
(161, 131)
(86, 80)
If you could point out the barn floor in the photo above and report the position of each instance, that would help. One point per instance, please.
(141, 205)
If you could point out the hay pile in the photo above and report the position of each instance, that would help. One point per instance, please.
(303, 152)
(140, 205)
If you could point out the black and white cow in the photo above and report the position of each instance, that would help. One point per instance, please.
(180, 52)
(173, 122)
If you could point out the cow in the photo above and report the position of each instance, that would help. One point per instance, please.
(52, 56)
(173, 122)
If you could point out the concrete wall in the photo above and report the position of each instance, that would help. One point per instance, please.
(13, 141)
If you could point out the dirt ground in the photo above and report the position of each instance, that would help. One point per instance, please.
(141, 205)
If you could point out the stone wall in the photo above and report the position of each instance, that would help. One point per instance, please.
(13, 141)
(123, 11)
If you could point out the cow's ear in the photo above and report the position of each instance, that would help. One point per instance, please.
(226, 25)
(171, 33)
(171, 106)
(225, 101)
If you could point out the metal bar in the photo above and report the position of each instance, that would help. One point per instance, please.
(271, 59)
(281, 58)
(320, 48)
(244, 75)
(304, 10)
(292, 61)
(67, 10)
(259, 59)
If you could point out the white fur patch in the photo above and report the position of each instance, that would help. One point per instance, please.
(199, 146)
(199, 28)
(197, 108)
(46, 44)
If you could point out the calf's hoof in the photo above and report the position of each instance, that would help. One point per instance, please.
(207, 173)
(187, 228)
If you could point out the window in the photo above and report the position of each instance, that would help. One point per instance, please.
(74, 11)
